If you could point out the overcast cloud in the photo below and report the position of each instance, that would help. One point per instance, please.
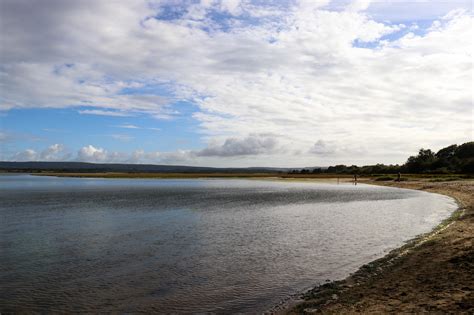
(306, 83)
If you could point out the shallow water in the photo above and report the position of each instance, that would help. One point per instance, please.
(189, 245)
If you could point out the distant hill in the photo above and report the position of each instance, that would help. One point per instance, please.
(81, 167)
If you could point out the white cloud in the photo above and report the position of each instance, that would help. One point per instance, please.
(90, 153)
(55, 152)
(26, 155)
(231, 6)
(359, 5)
(104, 113)
(128, 126)
(299, 72)
(305, 5)
(322, 148)
(132, 126)
(252, 145)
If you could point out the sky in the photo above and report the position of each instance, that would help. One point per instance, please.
(234, 83)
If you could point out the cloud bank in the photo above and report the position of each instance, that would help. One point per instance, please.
(254, 145)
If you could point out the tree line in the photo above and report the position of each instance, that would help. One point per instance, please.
(451, 159)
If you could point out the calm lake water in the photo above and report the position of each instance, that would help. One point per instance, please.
(119, 245)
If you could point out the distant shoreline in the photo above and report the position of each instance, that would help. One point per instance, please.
(375, 178)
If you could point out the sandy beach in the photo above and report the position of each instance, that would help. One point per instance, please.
(431, 274)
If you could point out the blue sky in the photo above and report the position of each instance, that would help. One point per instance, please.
(234, 83)
(39, 126)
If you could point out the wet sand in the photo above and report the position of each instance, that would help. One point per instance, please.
(433, 273)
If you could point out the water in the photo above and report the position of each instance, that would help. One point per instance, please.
(119, 245)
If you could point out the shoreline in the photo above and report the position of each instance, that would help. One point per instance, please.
(430, 273)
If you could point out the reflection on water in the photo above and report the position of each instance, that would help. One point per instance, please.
(99, 245)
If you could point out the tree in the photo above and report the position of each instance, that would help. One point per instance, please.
(423, 162)
(465, 151)
(447, 153)
(465, 155)
(446, 160)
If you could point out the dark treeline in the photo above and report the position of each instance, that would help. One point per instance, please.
(452, 159)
